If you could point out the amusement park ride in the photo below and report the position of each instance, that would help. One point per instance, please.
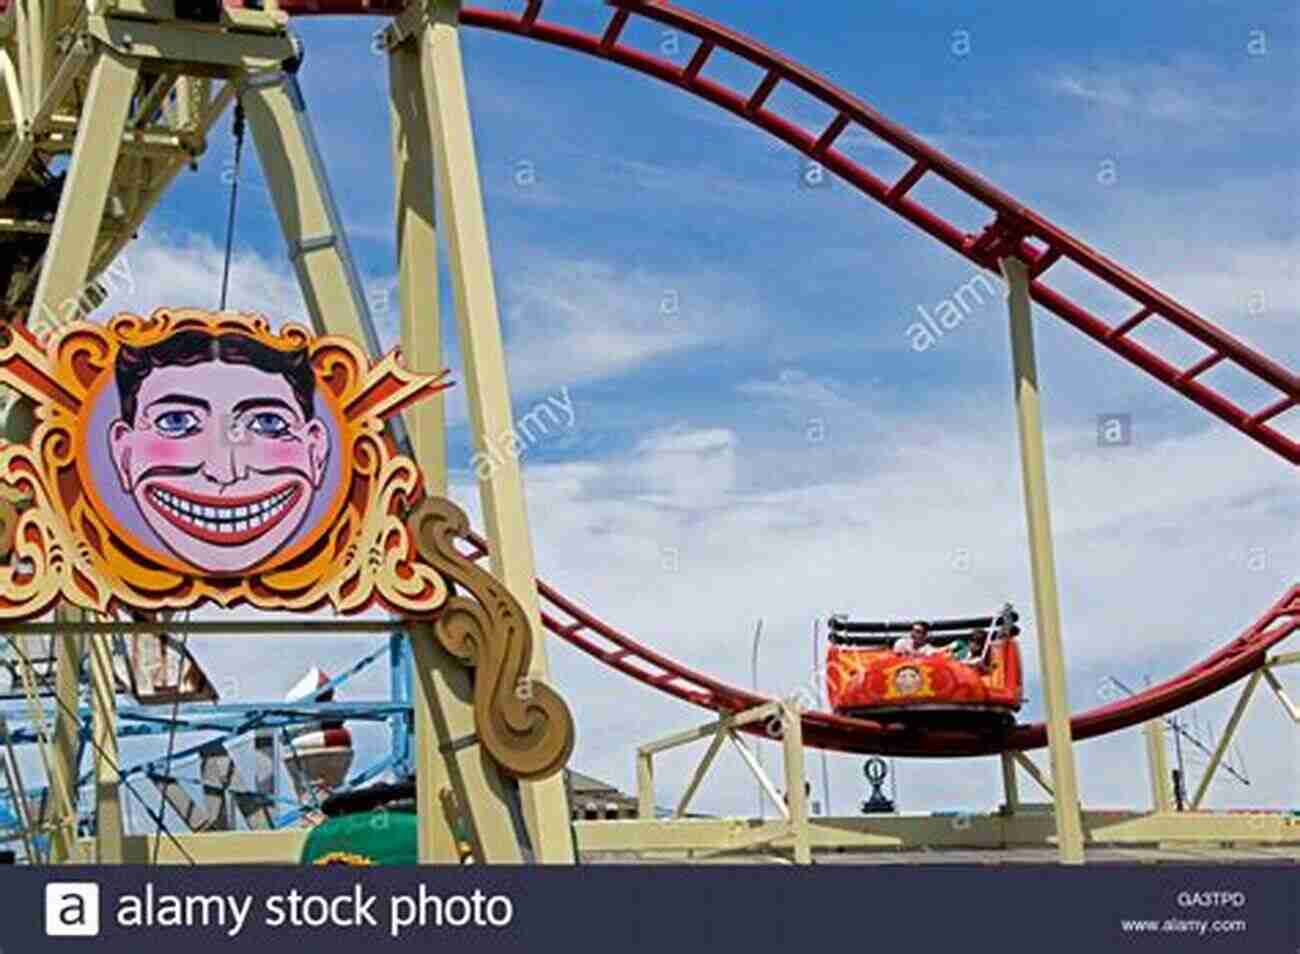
(122, 95)
(973, 672)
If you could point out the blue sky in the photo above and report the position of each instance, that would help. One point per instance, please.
(636, 179)
(688, 500)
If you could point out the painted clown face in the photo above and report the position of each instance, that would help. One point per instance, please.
(222, 460)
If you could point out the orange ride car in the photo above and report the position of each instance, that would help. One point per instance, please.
(970, 669)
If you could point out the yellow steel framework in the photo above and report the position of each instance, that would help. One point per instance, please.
(154, 87)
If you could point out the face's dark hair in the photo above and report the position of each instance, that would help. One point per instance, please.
(189, 348)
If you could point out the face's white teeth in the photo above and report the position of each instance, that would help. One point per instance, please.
(227, 520)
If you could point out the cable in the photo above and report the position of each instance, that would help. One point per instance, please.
(113, 763)
(234, 197)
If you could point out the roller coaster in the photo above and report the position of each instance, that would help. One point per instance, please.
(1014, 228)
(32, 128)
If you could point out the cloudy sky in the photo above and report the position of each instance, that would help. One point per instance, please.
(756, 435)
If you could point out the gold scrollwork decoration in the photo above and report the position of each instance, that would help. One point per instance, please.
(525, 725)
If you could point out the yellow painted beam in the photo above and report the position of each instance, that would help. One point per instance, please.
(109, 827)
(501, 488)
(67, 262)
(1047, 611)
(68, 650)
(448, 761)
(1162, 799)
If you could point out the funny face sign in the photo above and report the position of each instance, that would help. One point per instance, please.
(193, 455)
(219, 445)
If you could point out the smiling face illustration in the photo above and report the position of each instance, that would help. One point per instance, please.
(908, 681)
(218, 445)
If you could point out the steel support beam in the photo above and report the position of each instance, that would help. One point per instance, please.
(200, 52)
(417, 259)
(645, 786)
(109, 828)
(1162, 799)
(449, 756)
(487, 389)
(1047, 612)
(1279, 690)
(85, 190)
(793, 808)
(69, 649)
(309, 218)
(702, 837)
(1226, 739)
(796, 792)
(282, 847)
(1010, 785)
(443, 700)
(1033, 771)
(700, 772)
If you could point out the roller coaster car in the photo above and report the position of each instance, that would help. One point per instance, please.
(865, 677)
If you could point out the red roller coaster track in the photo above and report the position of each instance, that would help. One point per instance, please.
(1012, 229)
(823, 730)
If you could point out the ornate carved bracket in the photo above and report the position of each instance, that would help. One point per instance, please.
(525, 725)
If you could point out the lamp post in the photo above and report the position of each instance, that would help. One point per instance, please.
(758, 750)
(819, 677)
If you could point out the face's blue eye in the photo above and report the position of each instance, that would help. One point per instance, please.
(177, 423)
(268, 424)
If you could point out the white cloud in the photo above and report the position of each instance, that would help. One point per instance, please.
(1186, 93)
(685, 469)
(1247, 288)
(566, 322)
(793, 386)
(1164, 552)
(184, 269)
(571, 321)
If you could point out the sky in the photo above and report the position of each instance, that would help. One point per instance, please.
(756, 435)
